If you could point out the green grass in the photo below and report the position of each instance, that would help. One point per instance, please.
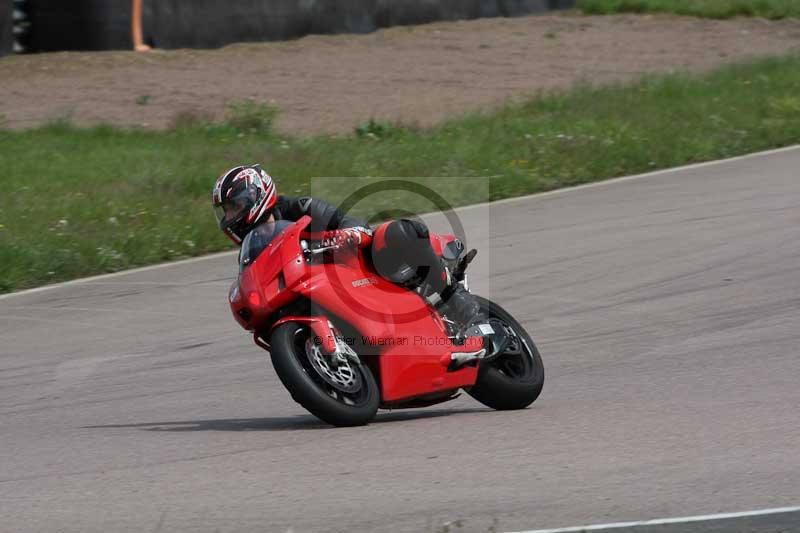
(83, 201)
(773, 9)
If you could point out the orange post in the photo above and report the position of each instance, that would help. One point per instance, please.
(136, 27)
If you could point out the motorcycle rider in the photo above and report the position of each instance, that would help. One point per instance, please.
(245, 197)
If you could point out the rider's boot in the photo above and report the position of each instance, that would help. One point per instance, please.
(455, 303)
(460, 306)
(477, 336)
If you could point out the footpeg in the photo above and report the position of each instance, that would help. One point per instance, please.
(459, 359)
(471, 351)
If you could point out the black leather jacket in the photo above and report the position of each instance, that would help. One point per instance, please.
(324, 216)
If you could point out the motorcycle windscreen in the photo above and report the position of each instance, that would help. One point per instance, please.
(258, 239)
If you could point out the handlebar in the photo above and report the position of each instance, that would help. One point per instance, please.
(317, 248)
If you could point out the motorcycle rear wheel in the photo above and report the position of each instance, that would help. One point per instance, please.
(351, 405)
(510, 380)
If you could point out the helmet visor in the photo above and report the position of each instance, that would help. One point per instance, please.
(236, 206)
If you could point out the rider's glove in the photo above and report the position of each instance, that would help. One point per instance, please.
(359, 237)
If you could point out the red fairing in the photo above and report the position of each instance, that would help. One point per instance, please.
(408, 335)
(261, 288)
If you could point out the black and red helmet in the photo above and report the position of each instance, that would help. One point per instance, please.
(243, 197)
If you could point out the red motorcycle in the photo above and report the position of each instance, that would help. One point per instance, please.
(345, 341)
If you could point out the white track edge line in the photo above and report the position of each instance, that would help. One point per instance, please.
(633, 177)
(100, 277)
(665, 521)
(555, 192)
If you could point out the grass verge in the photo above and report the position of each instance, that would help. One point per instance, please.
(772, 9)
(84, 201)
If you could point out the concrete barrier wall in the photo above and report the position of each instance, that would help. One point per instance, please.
(6, 28)
(105, 24)
(79, 25)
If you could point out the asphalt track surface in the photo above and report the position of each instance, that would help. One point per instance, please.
(667, 310)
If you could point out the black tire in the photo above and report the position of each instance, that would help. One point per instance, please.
(309, 389)
(504, 383)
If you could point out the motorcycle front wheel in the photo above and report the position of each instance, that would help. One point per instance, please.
(346, 394)
(514, 378)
